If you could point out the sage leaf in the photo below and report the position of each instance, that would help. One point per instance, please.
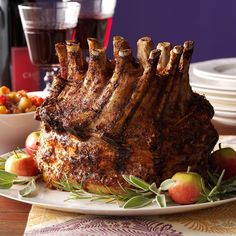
(6, 179)
(153, 188)
(139, 183)
(161, 200)
(166, 184)
(29, 189)
(126, 178)
(137, 202)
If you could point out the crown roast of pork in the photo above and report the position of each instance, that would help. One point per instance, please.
(106, 118)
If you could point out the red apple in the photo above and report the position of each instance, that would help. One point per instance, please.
(224, 159)
(187, 188)
(31, 143)
(21, 164)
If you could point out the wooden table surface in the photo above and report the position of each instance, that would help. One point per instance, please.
(13, 217)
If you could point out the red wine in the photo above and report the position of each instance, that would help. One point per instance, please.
(93, 28)
(41, 44)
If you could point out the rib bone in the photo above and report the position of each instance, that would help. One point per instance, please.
(165, 48)
(144, 47)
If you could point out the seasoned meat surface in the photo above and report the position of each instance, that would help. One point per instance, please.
(108, 118)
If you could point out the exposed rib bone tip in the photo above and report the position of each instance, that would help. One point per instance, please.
(70, 42)
(125, 52)
(154, 53)
(147, 39)
(94, 43)
(96, 52)
(178, 49)
(116, 37)
(73, 47)
(188, 45)
(92, 39)
(60, 45)
(163, 45)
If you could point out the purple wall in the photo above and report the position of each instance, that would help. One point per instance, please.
(210, 23)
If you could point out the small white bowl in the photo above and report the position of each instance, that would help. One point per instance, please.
(14, 128)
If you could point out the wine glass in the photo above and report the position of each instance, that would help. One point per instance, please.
(95, 21)
(44, 25)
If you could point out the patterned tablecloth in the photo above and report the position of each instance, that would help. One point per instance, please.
(219, 221)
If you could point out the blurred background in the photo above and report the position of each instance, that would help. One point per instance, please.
(211, 24)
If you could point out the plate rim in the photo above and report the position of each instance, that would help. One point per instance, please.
(210, 73)
(149, 210)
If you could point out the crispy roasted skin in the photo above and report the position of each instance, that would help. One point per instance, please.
(108, 118)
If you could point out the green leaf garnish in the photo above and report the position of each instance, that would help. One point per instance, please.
(166, 184)
(160, 200)
(153, 188)
(29, 188)
(6, 179)
(137, 202)
(139, 183)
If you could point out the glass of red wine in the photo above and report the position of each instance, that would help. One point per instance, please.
(45, 24)
(95, 21)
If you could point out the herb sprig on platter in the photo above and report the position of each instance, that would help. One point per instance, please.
(141, 193)
(7, 180)
(138, 194)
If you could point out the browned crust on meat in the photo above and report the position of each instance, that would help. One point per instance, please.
(122, 117)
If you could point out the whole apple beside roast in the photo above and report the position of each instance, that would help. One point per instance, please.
(21, 164)
(224, 159)
(186, 189)
(24, 164)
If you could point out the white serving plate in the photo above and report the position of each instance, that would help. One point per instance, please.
(225, 120)
(223, 69)
(54, 199)
(228, 114)
(222, 107)
(215, 93)
(212, 85)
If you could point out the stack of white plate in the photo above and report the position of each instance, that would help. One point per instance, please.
(216, 79)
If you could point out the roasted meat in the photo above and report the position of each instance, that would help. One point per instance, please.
(106, 118)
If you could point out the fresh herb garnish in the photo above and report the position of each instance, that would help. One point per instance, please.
(139, 194)
(7, 180)
(217, 188)
(29, 188)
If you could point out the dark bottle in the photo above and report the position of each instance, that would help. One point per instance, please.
(4, 44)
(11, 35)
